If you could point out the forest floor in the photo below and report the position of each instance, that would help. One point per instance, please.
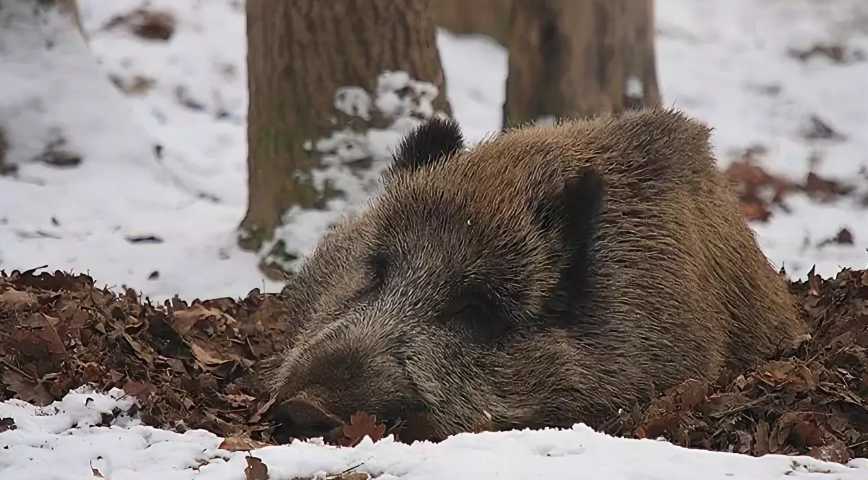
(171, 391)
(146, 182)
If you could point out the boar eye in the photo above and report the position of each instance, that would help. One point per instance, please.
(379, 264)
(375, 271)
(475, 312)
(378, 269)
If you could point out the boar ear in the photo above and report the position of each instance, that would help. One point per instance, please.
(431, 142)
(573, 211)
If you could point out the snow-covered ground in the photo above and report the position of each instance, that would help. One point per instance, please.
(60, 442)
(168, 162)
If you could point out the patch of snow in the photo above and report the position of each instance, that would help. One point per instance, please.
(61, 442)
(727, 63)
(191, 199)
(634, 87)
(405, 102)
(475, 68)
(545, 120)
(353, 101)
(54, 90)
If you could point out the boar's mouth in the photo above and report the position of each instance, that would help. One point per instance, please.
(301, 417)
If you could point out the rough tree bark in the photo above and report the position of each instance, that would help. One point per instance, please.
(579, 58)
(300, 53)
(485, 17)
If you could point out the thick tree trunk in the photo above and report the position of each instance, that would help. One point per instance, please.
(640, 59)
(484, 17)
(579, 58)
(300, 53)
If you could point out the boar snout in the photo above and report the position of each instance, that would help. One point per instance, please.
(303, 417)
(356, 364)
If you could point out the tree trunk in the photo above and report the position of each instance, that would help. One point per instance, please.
(484, 17)
(579, 58)
(300, 53)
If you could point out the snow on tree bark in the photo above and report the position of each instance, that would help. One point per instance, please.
(301, 54)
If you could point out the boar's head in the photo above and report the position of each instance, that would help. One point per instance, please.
(445, 296)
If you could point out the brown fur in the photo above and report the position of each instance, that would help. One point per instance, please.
(546, 277)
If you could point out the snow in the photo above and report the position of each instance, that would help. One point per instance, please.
(345, 146)
(716, 61)
(45, 446)
(169, 162)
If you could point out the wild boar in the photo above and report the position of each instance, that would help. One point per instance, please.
(545, 277)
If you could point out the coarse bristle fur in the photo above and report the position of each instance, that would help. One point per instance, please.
(548, 276)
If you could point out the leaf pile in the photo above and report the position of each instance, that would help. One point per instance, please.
(812, 399)
(192, 366)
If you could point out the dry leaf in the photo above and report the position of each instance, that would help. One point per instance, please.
(240, 444)
(664, 423)
(352, 476)
(17, 301)
(140, 390)
(27, 390)
(361, 425)
(95, 472)
(184, 320)
(754, 210)
(255, 469)
(761, 439)
(834, 451)
(148, 24)
(843, 237)
(7, 423)
(205, 357)
(688, 394)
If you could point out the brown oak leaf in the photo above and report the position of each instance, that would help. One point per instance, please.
(255, 469)
(361, 424)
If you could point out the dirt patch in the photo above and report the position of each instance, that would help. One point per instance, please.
(192, 366)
